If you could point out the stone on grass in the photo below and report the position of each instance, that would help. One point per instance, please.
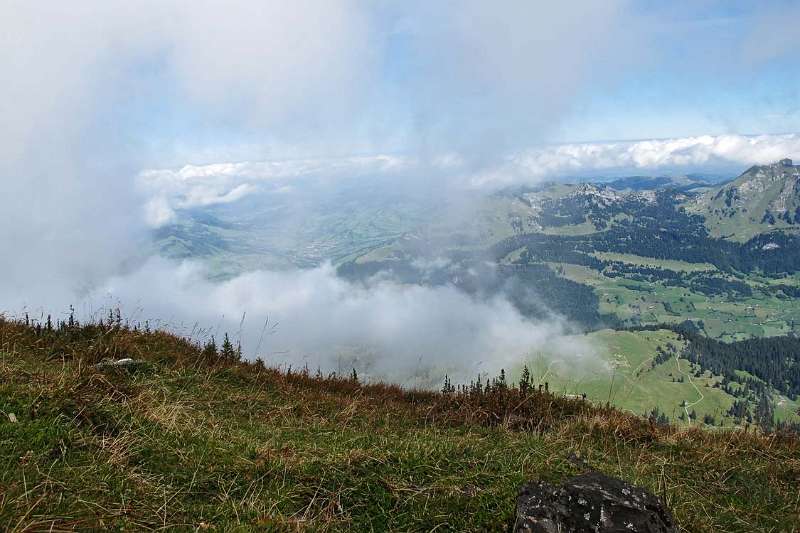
(591, 502)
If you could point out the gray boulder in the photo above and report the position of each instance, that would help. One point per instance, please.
(591, 502)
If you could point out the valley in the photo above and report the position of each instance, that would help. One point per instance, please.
(608, 256)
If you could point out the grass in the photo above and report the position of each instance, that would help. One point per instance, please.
(667, 264)
(185, 440)
(725, 317)
(633, 382)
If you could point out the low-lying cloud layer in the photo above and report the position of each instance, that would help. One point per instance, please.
(203, 185)
(383, 329)
(690, 154)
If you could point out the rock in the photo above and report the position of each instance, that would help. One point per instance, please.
(591, 502)
(125, 365)
(127, 361)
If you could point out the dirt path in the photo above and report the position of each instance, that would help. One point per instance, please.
(699, 392)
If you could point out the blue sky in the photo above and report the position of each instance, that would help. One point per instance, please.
(711, 73)
(646, 70)
(175, 82)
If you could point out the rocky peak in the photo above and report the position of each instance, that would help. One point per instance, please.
(758, 177)
(764, 194)
(602, 194)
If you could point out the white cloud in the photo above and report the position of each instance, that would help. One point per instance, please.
(272, 62)
(487, 76)
(383, 328)
(220, 183)
(87, 85)
(158, 212)
(199, 185)
(689, 154)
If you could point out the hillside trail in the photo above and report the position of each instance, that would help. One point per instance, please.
(699, 392)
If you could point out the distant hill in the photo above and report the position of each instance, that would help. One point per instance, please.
(762, 199)
(640, 183)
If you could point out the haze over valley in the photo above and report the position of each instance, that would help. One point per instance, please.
(489, 241)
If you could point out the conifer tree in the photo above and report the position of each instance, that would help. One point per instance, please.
(228, 351)
(525, 380)
(765, 415)
(210, 349)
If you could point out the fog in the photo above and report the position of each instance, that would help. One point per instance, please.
(314, 318)
(117, 116)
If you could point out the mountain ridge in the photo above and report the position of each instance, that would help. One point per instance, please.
(761, 199)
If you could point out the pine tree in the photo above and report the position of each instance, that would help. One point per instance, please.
(228, 351)
(501, 381)
(525, 380)
(447, 387)
(765, 415)
(210, 349)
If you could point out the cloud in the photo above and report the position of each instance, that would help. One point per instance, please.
(270, 63)
(383, 328)
(203, 185)
(689, 153)
(220, 183)
(91, 86)
(489, 76)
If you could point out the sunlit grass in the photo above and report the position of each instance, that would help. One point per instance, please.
(184, 441)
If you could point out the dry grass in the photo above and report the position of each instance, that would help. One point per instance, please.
(187, 441)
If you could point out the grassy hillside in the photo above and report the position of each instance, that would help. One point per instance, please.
(635, 381)
(763, 312)
(185, 439)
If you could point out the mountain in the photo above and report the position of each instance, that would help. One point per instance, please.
(764, 198)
